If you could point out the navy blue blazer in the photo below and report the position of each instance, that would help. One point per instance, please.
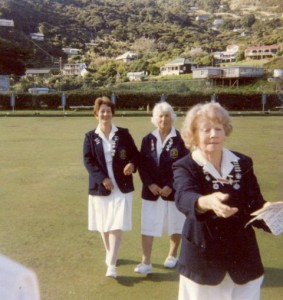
(212, 246)
(94, 161)
(162, 174)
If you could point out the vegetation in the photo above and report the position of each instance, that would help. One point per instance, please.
(156, 30)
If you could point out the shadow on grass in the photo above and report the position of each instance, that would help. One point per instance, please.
(168, 275)
(155, 277)
(273, 277)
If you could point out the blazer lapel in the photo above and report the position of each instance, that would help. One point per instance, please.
(99, 151)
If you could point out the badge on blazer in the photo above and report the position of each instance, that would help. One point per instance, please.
(152, 145)
(174, 153)
(123, 154)
(169, 144)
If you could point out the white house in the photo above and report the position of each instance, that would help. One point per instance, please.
(206, 72)
(74, 69)
(202, 18)
(226, 56)
(242, 72)
(177, 66)
(136, 76)
(7, 23)
(40, 72)
(37, 36)
(218, 22)
(71, 51)
(127, 56)
(227, 72)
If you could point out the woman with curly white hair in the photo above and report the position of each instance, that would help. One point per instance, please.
(217, 190)
(159, 150)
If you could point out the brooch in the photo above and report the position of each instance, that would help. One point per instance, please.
(97, 141)
(233, 180)
(152, 145)
(114, 145)
(174, 153)
(169, 144)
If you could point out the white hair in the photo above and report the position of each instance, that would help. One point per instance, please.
(159, 108)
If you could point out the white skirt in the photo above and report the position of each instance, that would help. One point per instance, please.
(227, 289)
(108, 213)
(161, 216)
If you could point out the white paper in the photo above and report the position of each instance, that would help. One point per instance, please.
(272, 215)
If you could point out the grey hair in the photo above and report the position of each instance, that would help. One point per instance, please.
(162, 107)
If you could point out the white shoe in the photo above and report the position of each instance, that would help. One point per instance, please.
(143, 268)
(170, 262)
(111, 272)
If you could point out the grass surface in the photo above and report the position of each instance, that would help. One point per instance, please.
(43, 216)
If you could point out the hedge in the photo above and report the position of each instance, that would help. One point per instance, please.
(133, 101)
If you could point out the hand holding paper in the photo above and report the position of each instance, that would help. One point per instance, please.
(272, 215)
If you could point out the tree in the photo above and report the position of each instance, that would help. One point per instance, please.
(248, 21)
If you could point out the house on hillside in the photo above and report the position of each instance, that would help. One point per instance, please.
(259, 52)
(38, 72)
(127, 56)
(74, 69)
(242, 72)
(206, 72)
(7, 23)
(37, 36)
(218, 22)
(137, 76)
(226, 56)
(177, 66)
(71, 51)
(229, 72)
(202, 18)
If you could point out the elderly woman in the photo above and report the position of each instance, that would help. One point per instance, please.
(216, 189)
(110, 157)
(159, 150)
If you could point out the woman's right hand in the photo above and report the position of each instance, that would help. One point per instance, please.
(155, 189)
(215, 202)
(107, 183)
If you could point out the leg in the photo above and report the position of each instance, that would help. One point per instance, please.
(174, 244)
(115, 239)
(172, 259)
(145, 266)
(147, 242)
(105, 239)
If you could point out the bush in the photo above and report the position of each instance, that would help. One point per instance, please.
(128, 99)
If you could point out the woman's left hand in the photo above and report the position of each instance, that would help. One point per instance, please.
(129, 169)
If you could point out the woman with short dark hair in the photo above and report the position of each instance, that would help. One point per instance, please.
(110, 157)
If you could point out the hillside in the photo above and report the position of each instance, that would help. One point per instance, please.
(166, 28)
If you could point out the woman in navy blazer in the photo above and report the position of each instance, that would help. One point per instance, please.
(110, 157)
(159, 150)
(216, 190)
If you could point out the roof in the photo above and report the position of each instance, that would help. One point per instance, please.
(37, 71)
(263, 47)
(227, 67)
(180, 61)
(128, 54)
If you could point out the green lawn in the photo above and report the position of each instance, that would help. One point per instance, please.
(43, 216)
